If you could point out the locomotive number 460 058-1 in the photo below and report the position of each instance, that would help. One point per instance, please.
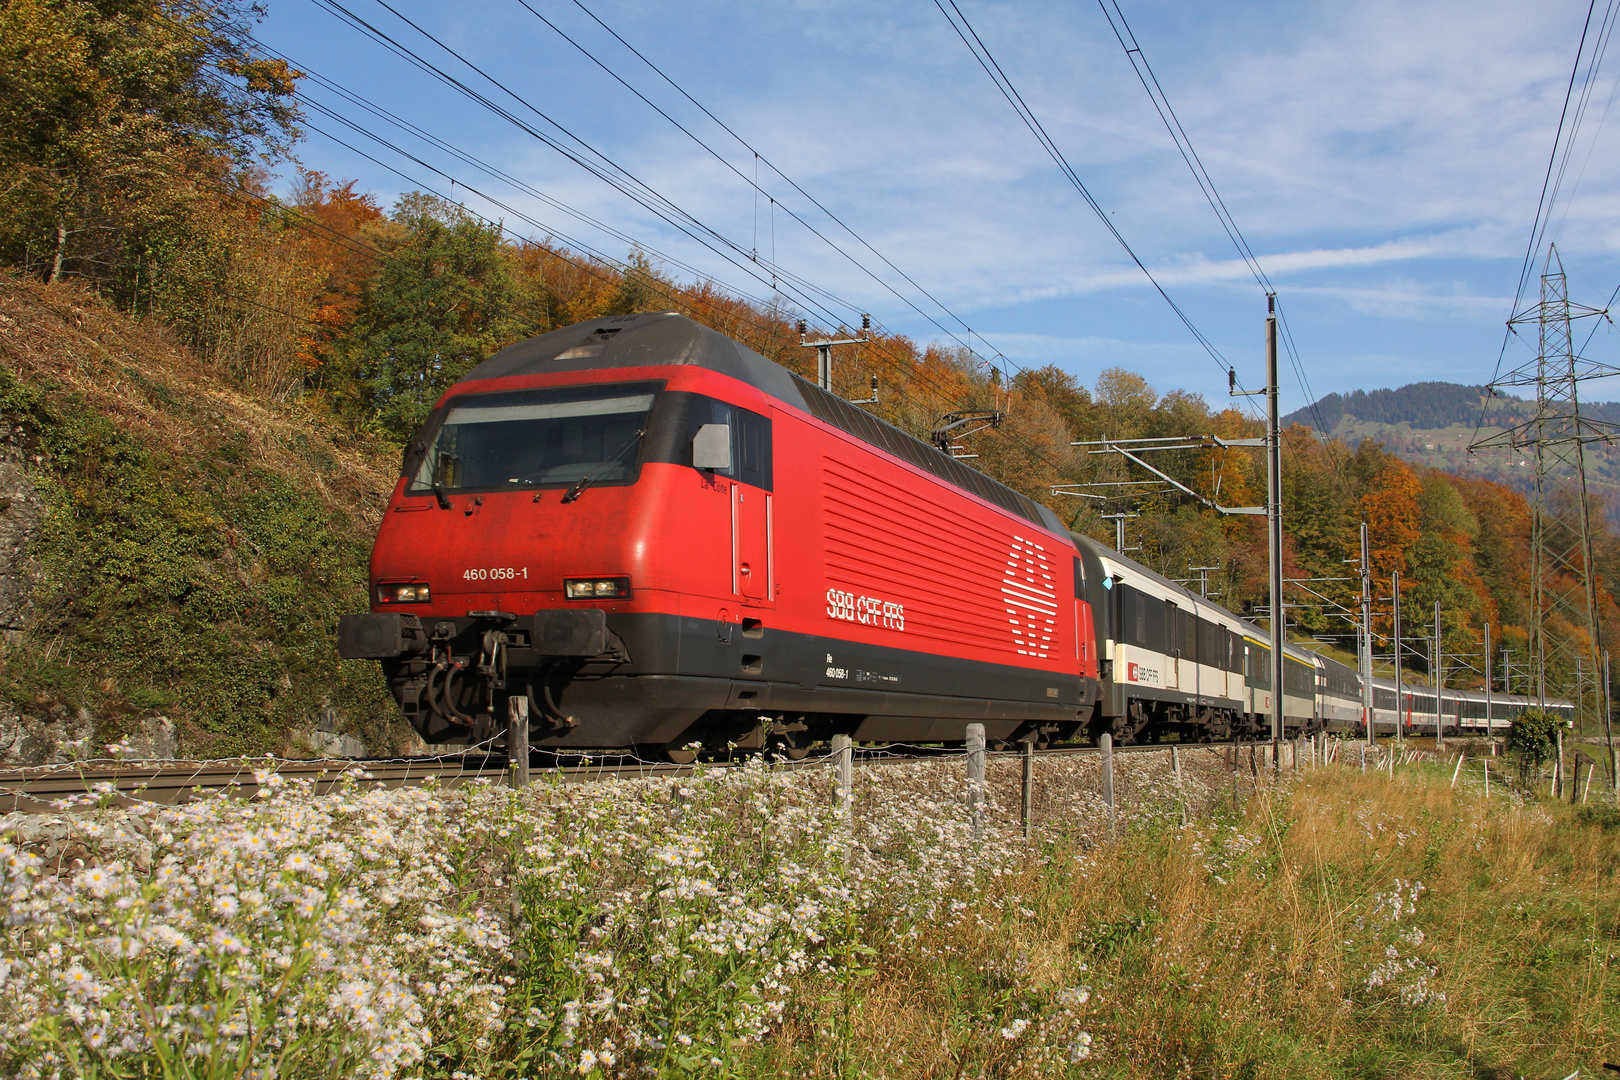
(866, 610)
(496, 573)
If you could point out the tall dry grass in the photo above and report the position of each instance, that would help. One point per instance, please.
(1336, 925)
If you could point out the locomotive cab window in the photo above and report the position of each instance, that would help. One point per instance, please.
(681, 415)
(537, 438)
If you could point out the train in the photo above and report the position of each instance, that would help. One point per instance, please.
(641, 534)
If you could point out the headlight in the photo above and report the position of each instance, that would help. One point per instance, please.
(579, 588)
(403, 593)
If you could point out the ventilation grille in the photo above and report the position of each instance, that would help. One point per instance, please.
(834, 410)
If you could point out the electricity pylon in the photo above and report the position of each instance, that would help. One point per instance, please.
(1560, 548)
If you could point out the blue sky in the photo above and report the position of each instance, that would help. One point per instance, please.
(1384, 160)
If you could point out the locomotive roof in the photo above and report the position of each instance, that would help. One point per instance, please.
(659, 339)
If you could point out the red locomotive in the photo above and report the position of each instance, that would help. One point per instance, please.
(663, 538)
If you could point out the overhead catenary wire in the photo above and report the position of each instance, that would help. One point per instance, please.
(903, 366)
(580, 152)
(592, 160)
(987, 61)
(588, 157)
(896, 363)
(775, 202)
(1206, 185)
(992, 68)
(907, 370)
(807, 293)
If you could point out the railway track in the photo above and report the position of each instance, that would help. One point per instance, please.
(53, 788)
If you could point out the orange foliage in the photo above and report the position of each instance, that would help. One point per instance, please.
(333, 219)
(1391, 509)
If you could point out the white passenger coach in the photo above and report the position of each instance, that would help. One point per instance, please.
(1175, 664)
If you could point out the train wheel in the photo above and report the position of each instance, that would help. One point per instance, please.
(681, 755)
(791, 748)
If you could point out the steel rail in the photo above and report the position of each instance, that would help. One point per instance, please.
(45, 788)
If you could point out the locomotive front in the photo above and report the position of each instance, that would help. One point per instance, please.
(525, 550)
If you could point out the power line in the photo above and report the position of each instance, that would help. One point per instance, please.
(586, 156)
(1582, 103)
(1605, 32)
(761, 158)
(896, 363)
(806, 289)
(1544, 202)
(906, 369)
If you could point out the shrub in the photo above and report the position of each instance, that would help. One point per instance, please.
(1533, 739)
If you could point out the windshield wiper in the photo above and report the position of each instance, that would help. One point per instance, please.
(438, 493)
(585, 481)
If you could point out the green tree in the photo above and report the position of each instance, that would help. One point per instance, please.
(640, 288)
(444, 298)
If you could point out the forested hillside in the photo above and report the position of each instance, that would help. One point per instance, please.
(209, 371)
(1435, 424)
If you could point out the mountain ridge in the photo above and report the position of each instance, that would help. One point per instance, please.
(1426, 405)
(1434, 423)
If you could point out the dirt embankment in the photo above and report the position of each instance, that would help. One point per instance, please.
(174, 551)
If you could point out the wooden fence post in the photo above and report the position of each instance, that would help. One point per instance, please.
(1558, 765)
(1107, 744)
(1487, 763)
(517, 740)
(843, 750)
(1029, 787)
(975, 777)
(1175, 771)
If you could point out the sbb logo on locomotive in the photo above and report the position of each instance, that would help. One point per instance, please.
(866, 610)
(1137, 673)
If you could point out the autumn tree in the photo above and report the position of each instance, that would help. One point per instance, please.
(116, 117)
(334, 221)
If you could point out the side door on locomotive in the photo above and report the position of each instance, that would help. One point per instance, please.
(734, 446)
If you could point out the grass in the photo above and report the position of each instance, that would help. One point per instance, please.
(1344, 926)
(196, 547)
(1329, 923)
